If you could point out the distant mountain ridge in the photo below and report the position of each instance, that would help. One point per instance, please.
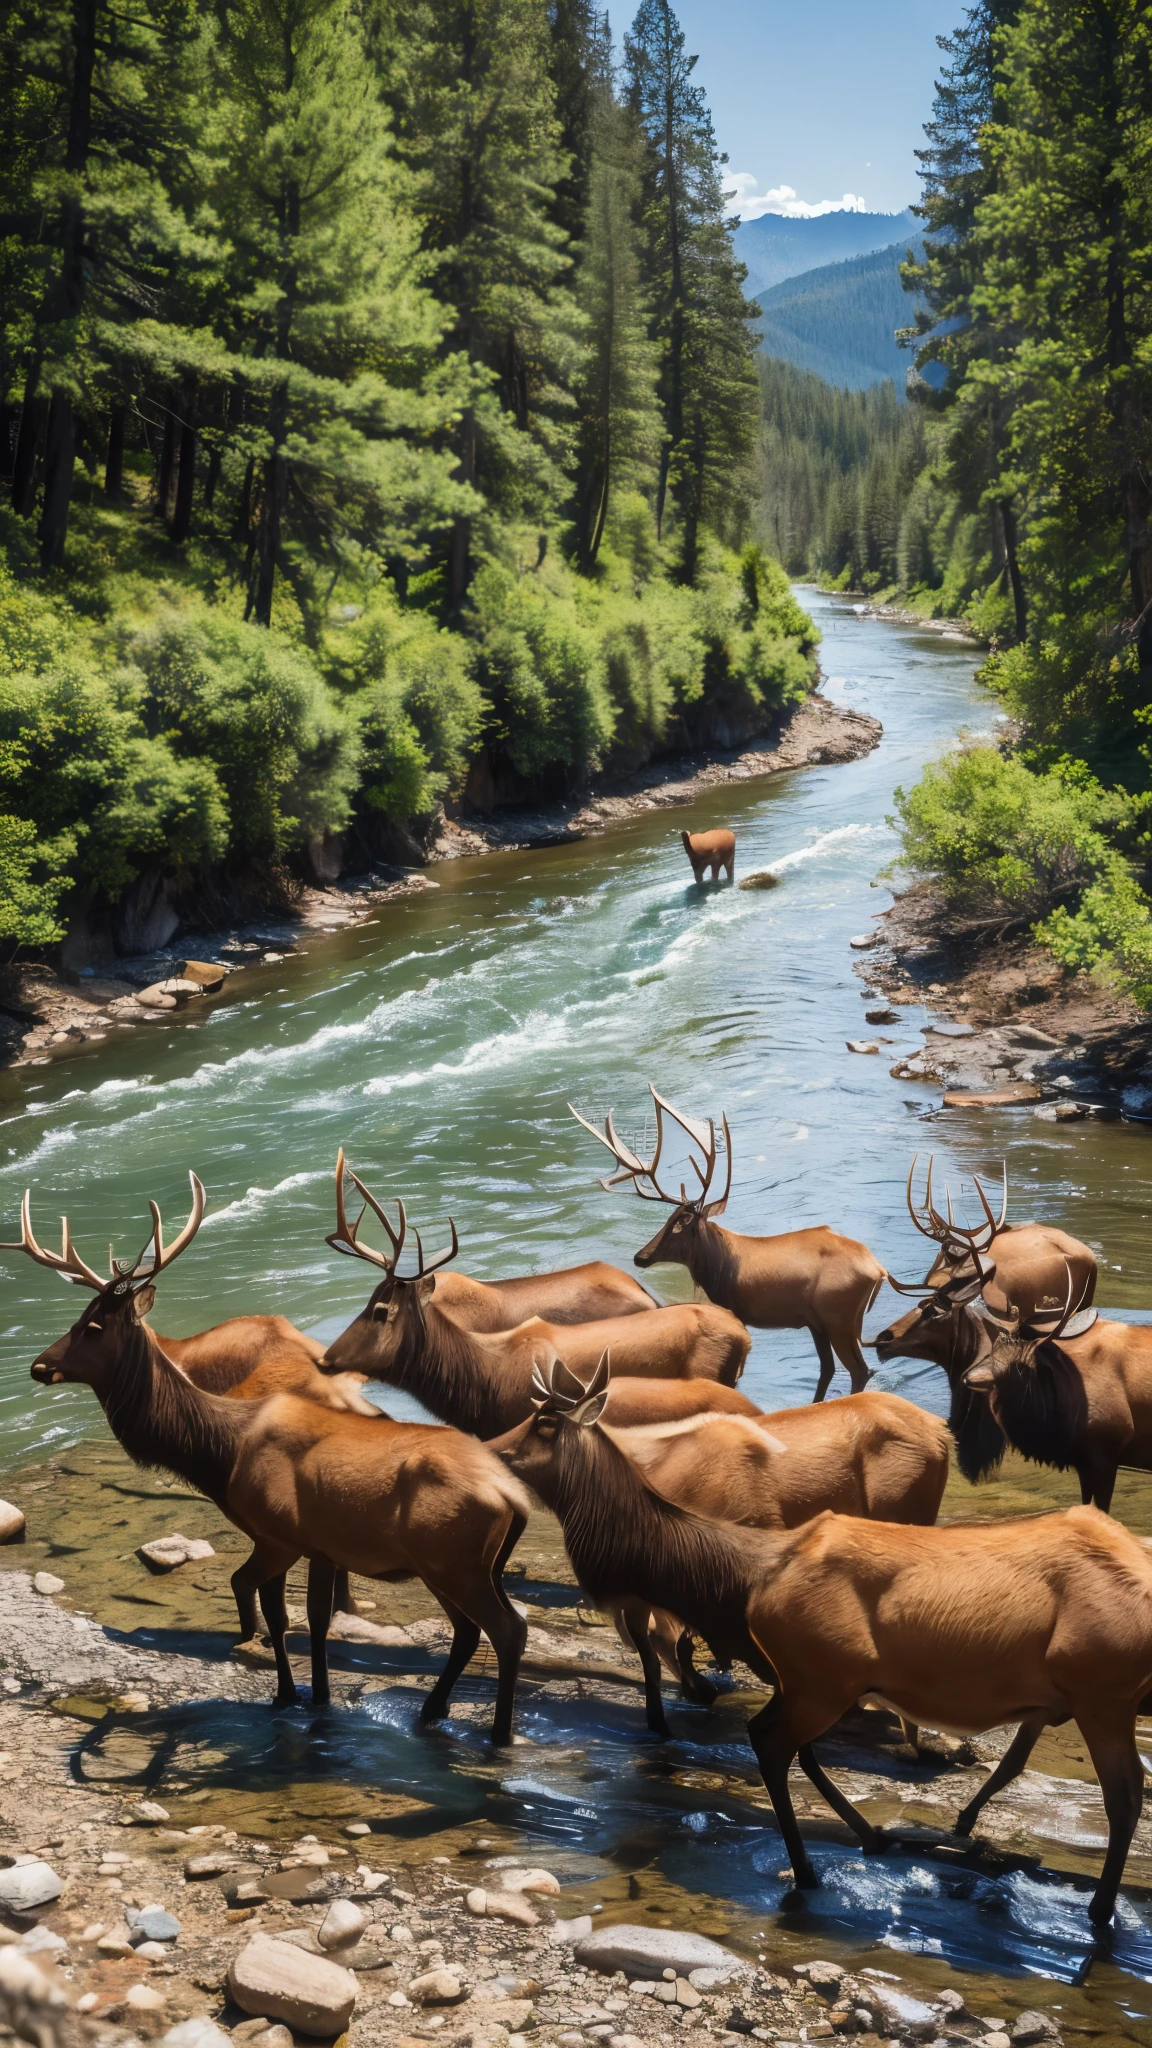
(840, 321)
(776, 247)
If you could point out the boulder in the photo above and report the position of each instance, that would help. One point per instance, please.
(882, 1016)
(207, 974)
(992, 1098)
(864, 941)
(166, 1552)
(437, 1987)
(147, 1813)
(501, 1906)
(764, 879)
(861, 1045)
(649, 1951)
(154, 998)
(28, 1886)
(1033, 2028)
(822, 1976)
(11, 1523)
(153, 1923)
(310, 1994)
(46, 1584)
(943, 1030)
(342, 1925)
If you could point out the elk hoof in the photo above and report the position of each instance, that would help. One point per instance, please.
(660, 1730)
(285, 1698)
(964, 1823)
(875, 1843)
(1100, 1911)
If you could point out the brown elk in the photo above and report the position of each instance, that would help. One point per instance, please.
(711, 850)
(812, 1280)
(946, 1330)
(484, 1378)
(1029, 1258)
(872, 1455)
(380, 1498)
(1071, 1390)
(967, 1627)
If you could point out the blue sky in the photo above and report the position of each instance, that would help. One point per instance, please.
(826, 98)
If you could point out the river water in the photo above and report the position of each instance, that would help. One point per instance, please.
(440, 1043)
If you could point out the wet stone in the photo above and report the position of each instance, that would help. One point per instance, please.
(309, 1993)
(644, 1951)
(342, 1925)
(46, 1584)
(27, 1886)
(1032, 2028)
(11, 1522)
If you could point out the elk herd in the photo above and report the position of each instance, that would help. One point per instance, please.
(803, 1542)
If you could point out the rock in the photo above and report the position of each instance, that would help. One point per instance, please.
(153, 1923)
(529, 1881)
(686, 1994)
(154, 998)
(117, 1941)
(905, 2015)
(764, 879)
(864, 941)
(882, 1016)
(213, 1864)
(356, 1628)
(824, 1977)
(11, 1523)
(166, 1552)
(153, 1951)
(995, 2041)
(357, 1827)
(147, 1813)
(648, 1951)
(142, 1998)
(992, 1098)
(1033, 2027)
(563, 1933)
(205, 973)
(200, 2032)
(1070, 1112)
(41, 1940)
(709, 1979)
(501, 1906)
(46, 1583)
(942, 1030)
(861, 1045)
(1030, 1034)
(27, 1886)
(626, 2041)
(437, 1987)
(342, 1925)
(310, 1994)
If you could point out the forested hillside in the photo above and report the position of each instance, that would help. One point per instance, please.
(376, 393)
(841, 322)
(779, 245)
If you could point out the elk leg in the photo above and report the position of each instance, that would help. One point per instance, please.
(827, 1362)
(1097, 1485)
(1114, 1755)
(465, 1639)
(636, 1618)
(771, 1736)
(847, 1348)
(871, 1839)
(245, 1586)
(274, 1607)
(322, 1576)
(343, 1598)
(1010, 1766)
(693, 1684)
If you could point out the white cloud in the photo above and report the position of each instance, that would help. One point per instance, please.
(742, 198)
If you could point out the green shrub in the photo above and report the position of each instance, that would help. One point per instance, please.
(33, 877)
(1110, 934)
(412, 690)
(541, 672)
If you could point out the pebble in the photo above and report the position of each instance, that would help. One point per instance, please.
(501, 1906)
(143, 1998)
(529, 1881)
(11, 1522)
(169, 1551)
(213, 1864)
(309, 1993)
(1033, 2027)
(147, 1813)
(643, 1951)
(861, 1045)
(46, 1583)
(118, 1940)
(200, 2032)
(357, 1827)
(342, 1925)
(27, 1886)
(153, 1951)
(864, 941)
(437, 1987)
(154, 1923)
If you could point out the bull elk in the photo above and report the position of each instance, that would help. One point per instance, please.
(484, 1378)
(1029, 1258)
(1032, 1622)
(1071, 1390)
(711, 851)
(383, 1499)
(945, 1329)
(812, 1280)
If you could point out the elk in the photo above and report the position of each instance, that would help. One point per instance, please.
(484, 1378)
(872, 1455)
(1029, 1258)
(812, 1280)
(384, 1499)
(1071, 1390)
(946, 1329)
(245, 1359)
(711, 850)
(965, 1627)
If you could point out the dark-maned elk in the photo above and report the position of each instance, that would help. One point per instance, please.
(1071, 1390)
(1033, 1622)
(1029, 1257)
(383, 1499)
(872, 1455)
(404, 1337)
(812, 1280)
(711, 850)
(946, 1329)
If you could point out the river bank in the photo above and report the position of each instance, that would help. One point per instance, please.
(1009, 1026)
(45, 1015)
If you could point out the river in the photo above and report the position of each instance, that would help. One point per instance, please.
(440, 1044)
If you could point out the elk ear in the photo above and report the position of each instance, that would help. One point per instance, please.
(143, 1301)
(966, 1291)
(426, 1286)
(590, 1411)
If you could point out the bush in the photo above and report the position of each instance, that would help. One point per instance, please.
(1110, 935)
(33, 878)
(541, 671)
(412, 691)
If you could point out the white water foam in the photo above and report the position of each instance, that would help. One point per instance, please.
(840, 835)
(257, 1201)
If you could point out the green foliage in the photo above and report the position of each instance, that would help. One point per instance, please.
(410, 686)
(1110, 935)
(33, 878)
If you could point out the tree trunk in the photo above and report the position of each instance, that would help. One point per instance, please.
(185, 468)
(27, 443)
(167, 463)
(1007, 523)
(114, 462)
(59, 459)
(1138, 540)
(212, 476)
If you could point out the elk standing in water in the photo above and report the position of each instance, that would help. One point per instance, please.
(380, 1498)
(1029, 1258)
(1034, 1622)
(812, 1280)
(946, 1330)
(711, 850)
(1071, 1390)
(484, 1378)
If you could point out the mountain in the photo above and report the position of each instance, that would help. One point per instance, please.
(775, 246)
(839, 321)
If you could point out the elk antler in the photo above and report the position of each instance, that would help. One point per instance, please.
(345, 1237)
(161, 1255)
(67, 1262)
(1052, 1323)
(943, 1228)
(557, 1391)
(631, 1168)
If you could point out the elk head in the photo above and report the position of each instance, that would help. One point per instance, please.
(958, 1248)
(676, 1241)
(560, 1402)
(394, 1312)
(932, 1330)
(89, 1352)
(1016, 1343)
